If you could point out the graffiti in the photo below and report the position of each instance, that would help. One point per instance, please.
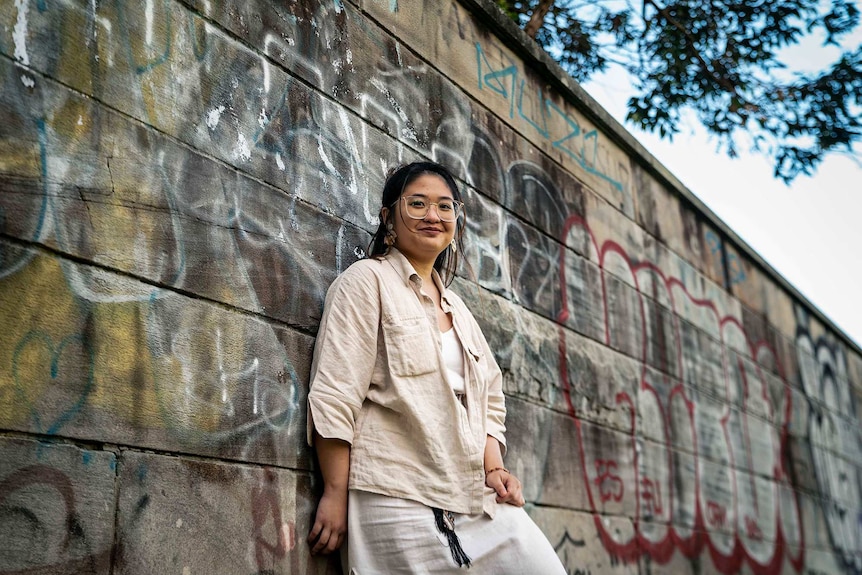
(212, 516)
(765, 531)
(182, 181)
(716, 514)
(578, 144)
(732, 262)
(704, 467)
(57, 530)
(265, 505)
(609, 484)
(835, 434)
(65, 363)
(735, 269)
(150, 304)
(651, 497)
(231, 395)
(567, 548)
(136, 223)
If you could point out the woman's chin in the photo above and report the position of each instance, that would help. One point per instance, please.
(424, 249)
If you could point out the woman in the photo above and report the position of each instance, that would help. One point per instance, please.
(406, 408)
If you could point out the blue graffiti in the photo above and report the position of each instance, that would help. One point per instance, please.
(200, 53)
(713, 241)
(735, 268)
(141, 472)
(585, 155)
(161, 58)
(37, 338)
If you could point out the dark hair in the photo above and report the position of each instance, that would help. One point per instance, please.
(397, 180)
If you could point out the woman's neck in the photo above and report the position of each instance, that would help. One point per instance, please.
(423, 268)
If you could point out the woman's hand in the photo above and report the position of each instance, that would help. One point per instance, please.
(330, 522)
(498, 478)
(507, 486)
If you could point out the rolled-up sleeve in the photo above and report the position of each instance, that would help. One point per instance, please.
(344, 354)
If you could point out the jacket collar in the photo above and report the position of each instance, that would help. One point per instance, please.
(407, 272)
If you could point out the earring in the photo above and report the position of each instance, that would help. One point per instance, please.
(389, 238)
(454, 246)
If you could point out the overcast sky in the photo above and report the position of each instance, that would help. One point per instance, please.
(810, 232)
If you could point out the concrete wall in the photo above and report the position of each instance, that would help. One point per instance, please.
(180, 181)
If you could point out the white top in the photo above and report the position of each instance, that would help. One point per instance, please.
(453, 358)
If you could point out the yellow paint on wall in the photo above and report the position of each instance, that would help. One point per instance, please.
(73, 122)
(35, 303)
(153, 31)
(124, 371)
(74, 62)
(198, 378)
(20, 157)
(41, 313)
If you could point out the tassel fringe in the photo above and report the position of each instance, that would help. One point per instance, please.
(446, 525)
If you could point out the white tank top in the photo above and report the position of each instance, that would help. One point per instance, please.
(453, 358)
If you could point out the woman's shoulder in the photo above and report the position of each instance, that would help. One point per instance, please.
(362, 273)
(363, 267)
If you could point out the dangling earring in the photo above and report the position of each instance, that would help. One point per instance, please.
(454, 246)
(389, 238)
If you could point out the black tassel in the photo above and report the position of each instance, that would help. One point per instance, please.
(446, 525)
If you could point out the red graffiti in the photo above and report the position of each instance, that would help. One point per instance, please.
(749, 494)
(752, 530)
(610, 485)
(716, 514)
(265, 503)
(651, 496)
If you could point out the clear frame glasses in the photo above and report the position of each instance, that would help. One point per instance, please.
(417, 207)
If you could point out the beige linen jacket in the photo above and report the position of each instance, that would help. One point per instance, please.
(378, 383)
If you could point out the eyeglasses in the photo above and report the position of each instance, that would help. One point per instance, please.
(417, 207)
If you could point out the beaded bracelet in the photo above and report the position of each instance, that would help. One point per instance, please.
(490, 471)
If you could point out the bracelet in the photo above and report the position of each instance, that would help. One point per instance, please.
(490, 471)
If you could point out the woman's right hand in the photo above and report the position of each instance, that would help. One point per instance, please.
(330, 522)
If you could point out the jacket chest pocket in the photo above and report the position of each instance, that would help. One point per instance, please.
(410, 348)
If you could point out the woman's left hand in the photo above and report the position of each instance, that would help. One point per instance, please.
(507, 486)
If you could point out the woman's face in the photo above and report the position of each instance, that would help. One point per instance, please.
(423, 239)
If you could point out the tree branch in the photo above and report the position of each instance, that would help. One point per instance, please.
(537, 18)
(725, 84)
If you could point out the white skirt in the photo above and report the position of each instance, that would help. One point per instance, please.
(388, 535)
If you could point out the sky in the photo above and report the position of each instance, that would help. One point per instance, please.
(810, 232)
